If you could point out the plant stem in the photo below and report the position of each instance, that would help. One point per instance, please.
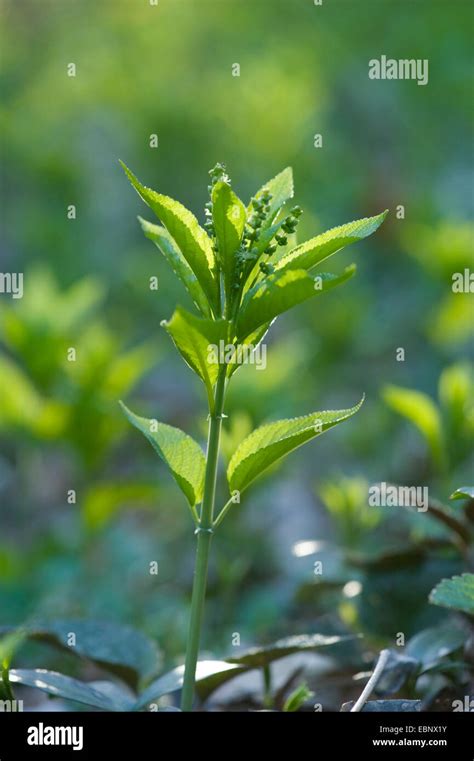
(204, 536)
(372, 683)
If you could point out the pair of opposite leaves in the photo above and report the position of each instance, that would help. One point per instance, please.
(188, 249)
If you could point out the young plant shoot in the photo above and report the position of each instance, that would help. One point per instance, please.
(241, 272)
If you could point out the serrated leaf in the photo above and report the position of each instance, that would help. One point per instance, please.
(183, 456)
(273, 441)
(115, 647)
(281, 188)
(316, 250)
(194, 243)
(420, 410)
(62, 686)
(229, 216)
(209, 676)
(163, 240)
(196, 339)
(281, 291)
(257, 657)
(464, 492)
(456, 592)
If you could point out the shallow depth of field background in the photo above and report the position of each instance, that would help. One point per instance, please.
(168, 70)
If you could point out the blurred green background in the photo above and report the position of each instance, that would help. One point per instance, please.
(167, 70)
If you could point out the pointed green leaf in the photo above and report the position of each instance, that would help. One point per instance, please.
(281, 291)
(198, 341)
(281, 188)
(420, 410)
(65, 687)
(273, 441)
(464, 492)
(297, 698)
(194, 243)
(180, 452)
(163, 240)
(317, 249)
(456, 592)
(229, 216)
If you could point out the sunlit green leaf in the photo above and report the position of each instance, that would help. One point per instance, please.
(420, 410)
(24, 408)
(229, 216)
(198, 340)
(163, 240)
(279, 292)
(297, 698)
(180, 452)
(314, 251)
(270, 442)
(281, 188)
(194, 244)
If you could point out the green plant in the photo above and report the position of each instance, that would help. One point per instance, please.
(241, 272)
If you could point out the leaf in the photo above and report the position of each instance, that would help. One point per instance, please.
(464, 492)
(279, 292)
(194, 243)
(317, 249)
(257, 657)
(281, 188)
(229, 216)
(163, 240)
(456, 592)
(71, 689)
(180, 452)
(104, 500)
(22, 407)
(270, 442)
(430, 645)
(420, 410)
(209, 676)
(195, 339)
(116, 647)
(297, 698)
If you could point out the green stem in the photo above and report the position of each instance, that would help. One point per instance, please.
(204, 536)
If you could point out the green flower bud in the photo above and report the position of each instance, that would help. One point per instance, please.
(271, 249)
